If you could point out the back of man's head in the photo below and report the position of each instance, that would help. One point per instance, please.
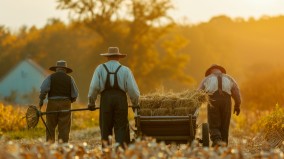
(59, 69)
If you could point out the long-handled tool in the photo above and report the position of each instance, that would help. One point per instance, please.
(33, 115)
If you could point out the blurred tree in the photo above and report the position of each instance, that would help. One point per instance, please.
(158, 50)
(264, 90)
(135, 26)
(7, 40)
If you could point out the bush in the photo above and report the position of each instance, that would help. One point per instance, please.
(11, 118)
(272, 122)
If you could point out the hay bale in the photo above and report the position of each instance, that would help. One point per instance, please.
(161, 112)
(150, 103)
(145, 103)
(183, 111)
(162, 103)
(146, 112)
(168, 103)
(198, 96)
(184, 102)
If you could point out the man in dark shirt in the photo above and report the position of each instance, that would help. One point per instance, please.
(62, 91)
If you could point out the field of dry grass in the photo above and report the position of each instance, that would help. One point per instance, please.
(13, 124)
(144, 149)
(250, 137)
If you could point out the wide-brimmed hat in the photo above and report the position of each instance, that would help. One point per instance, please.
(113, 51)
(214, 66)
(61, 64)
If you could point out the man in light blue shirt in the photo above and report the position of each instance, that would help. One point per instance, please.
(112, 81)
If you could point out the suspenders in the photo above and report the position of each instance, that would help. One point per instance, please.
(219, 77)
(107, 84)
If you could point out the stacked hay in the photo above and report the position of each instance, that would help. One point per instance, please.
(169, 103)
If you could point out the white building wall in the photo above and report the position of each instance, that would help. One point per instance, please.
(23, 79)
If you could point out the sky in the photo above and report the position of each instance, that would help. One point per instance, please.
(16, 13)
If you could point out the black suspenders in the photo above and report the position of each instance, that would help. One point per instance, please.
(107, 84)
(220, 89)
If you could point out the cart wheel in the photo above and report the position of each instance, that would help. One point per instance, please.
(205, 134)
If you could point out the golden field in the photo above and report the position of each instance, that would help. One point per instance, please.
(254, 141)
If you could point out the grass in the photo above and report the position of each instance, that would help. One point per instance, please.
(25, 134)
(11, 118)
(13, 125)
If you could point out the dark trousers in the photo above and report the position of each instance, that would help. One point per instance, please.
(219, 116)
(62, 120)
(114, 115)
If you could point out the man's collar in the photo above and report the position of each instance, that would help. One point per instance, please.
(61, 70)
(112, 61)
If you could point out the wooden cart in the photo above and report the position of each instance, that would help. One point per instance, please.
(177, 129)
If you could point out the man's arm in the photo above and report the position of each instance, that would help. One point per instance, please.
(201, 85)
(44, 89)
(132, 89)
(95, 87)
(74, 90)
(236, 95)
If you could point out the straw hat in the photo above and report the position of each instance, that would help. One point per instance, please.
(61, 64)
(214, 66)
(113, 51)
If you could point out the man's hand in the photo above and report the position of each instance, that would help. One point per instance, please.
(73, 100)
(136, 107)
(91, 107)
(40, 104)
(237, 110)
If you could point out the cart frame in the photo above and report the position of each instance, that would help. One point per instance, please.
(171, 129)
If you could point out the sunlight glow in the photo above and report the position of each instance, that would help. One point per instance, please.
(16, 13)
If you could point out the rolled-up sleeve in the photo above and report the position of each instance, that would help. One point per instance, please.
(132, 88)
(95, 87)
(44, 88)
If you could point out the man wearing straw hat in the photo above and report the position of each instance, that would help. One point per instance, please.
(62, 91)
(112, 81)
(221, 87)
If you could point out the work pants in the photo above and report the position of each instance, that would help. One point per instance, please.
(219, 116)
(62, 120)
(114, 115)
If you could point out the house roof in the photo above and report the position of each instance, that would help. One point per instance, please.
(37, 66)
(31, 62)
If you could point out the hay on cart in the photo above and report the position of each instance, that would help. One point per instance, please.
(169, 103)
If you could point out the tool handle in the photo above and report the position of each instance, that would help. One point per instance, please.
(64, 111)
(71, 110)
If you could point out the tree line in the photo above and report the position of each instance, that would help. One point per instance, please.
(160, 51)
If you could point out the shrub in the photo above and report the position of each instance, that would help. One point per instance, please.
(272, 122)
(11, 118)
